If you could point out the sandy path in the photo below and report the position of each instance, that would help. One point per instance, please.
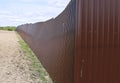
(14, 67)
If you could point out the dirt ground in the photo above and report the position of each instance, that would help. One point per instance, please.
(14, 66)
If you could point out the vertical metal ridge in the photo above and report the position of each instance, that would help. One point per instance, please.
(79, 8)
(108, 23)
(103, 41)
(86, 42)
(92, 39)
(113, 23)
(95, 39)
(119, 30)
(109, 36)
(98, 47)
(105, 38)
(113, 46)
(112, 39)
(118, 23)
(114, 26)
(107, 61)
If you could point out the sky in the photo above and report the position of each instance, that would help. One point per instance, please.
(17, 12)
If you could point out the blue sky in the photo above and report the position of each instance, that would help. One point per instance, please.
(17, 12)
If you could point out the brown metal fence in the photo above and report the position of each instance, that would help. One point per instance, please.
(53, 43)
(97, 50)
(89, 53)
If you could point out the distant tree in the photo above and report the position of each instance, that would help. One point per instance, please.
(8, 28)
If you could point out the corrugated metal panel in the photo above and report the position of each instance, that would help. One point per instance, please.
(53, 43)
(97, 49)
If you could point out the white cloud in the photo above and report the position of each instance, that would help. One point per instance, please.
(58, 3)
(29, 13)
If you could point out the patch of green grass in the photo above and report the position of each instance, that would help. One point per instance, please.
(36, 67)
(8, 28)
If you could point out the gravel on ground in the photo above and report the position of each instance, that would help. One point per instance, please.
(14, 66)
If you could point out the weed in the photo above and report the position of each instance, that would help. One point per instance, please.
(36, 67)
(8, 28)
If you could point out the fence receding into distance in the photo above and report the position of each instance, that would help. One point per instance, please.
(81, 45)
(53, 43)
